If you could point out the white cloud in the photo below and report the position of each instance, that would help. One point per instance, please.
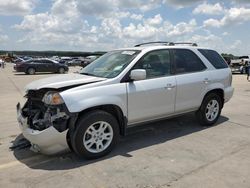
(217, 43)
(236, 15)
(16, 7)
(3, 38)
(109, 7)
(232, 16)
(212, 23)
(68, 29)
(62, 25)
(121, 14)
(136, 16)
(211, 9)
(181, 28)
(156, 20)
(165, 30)
(111, 27)
(139, 31)
(143, 5)
(181, 3)
(186, 3)
(235, 47)
(65, 8)
(63, 18)
(242, 1)
(211, 41)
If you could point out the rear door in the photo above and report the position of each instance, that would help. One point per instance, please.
(153, 97)
(191, 80)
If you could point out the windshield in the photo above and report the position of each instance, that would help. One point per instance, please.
(111, 64)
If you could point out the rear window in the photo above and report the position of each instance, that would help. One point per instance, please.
(214, 58)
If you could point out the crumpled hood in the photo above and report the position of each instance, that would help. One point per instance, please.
(60, 81)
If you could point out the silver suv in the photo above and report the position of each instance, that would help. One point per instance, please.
(87, 112)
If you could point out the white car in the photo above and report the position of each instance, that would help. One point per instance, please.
(87, 112)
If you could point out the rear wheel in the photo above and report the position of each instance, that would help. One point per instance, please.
(31, 71)
(61, 70)
(210, 109)
(95, 135)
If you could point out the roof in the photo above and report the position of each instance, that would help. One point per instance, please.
(155, 47)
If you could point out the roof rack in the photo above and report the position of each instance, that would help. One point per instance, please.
(157, 42)
(166, 43)
(190, 43)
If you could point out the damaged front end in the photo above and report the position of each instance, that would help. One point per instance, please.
(44, 121)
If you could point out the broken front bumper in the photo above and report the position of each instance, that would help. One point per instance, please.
(48, 141)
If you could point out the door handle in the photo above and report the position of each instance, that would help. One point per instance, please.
(169, 86)
(206, 81)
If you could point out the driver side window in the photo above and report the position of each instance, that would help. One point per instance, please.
(156, 64)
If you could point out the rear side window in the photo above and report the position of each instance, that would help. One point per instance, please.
(187, 61)
(214, 58)
(48, 62)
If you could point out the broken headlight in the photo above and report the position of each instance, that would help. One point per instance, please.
(52, 98)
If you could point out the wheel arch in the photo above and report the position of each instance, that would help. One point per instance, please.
(29, 67)
(61, 67)
(218, 91)
(115, 110)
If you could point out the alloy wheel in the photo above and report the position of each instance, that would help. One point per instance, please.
(212, 110)
(98, 137)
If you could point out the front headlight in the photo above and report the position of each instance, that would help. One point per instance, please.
(52, 98)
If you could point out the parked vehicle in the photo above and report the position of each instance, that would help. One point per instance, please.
(18, 60)
(88, 60)
(240, 64)
(87, 112)
(40, 65)
(75, 62)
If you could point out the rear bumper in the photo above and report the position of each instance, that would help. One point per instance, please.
(48, 141)
(228, 93)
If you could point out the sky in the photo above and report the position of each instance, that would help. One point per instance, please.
(95, 25)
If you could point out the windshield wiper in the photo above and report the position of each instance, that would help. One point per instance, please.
(89, 74)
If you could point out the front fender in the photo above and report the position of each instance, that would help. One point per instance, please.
(79, 100)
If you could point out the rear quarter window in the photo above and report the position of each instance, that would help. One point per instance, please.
(214, 58)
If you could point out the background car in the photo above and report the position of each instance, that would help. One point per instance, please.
(88, 60)
(40, 65)
(75, 62)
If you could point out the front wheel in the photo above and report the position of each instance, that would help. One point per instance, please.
(95, 135)
(210, 109)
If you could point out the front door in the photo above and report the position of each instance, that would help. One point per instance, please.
(48, 66)
(153, 97)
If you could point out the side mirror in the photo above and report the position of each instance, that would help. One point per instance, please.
(138, 74)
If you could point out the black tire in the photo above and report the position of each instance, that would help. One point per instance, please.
(61, 70)
(201, 114)
(31, 71)
(83, 124)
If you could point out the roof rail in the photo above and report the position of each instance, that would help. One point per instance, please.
(190, 43)
(167, 43)
(157, 42)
